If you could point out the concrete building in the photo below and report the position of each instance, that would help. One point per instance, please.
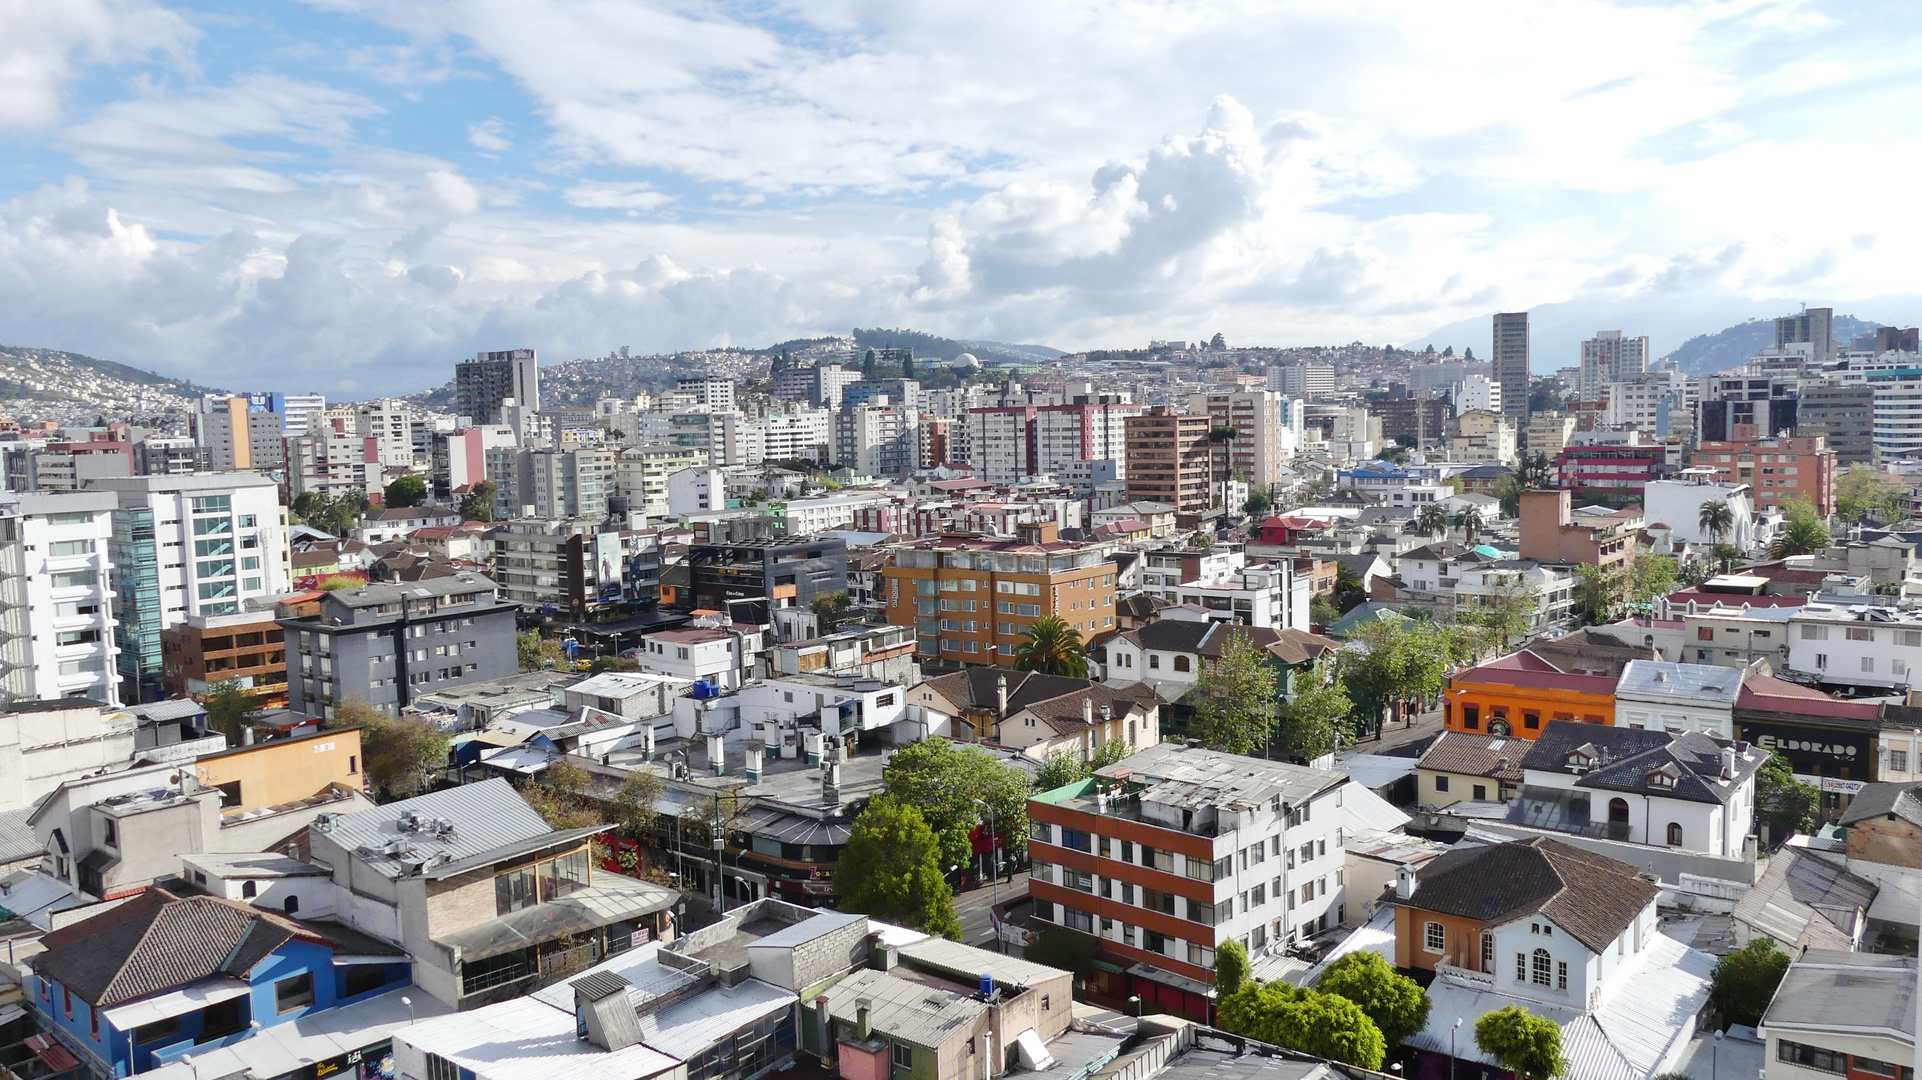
(1847, 646)
(483, 384)
(1678, 504)
(805, 435)
(1421, 421)
(185, 546)
(1898, 412)
(1306, 379)
(1478, 393)
(1482, 437)
(1659, 696)
(641, 472)
(237, 436)
(57, 625)
(722, 656)
(1550, 533)
(1175, 850)
(385, 644)
(714, 392)
(820, 385)
(1840, 1013)
(332, 459)
(1813, 326)
(1510, 362)
(1169, 459)
(571, 483)
(1608, 357)
(1263, 441)
(877, 440)
(751, 577)
(44, 744)
(1776, 471)
(1843, 415)
(206, 650)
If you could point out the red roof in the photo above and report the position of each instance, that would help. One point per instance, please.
(1766, 693)
(1525, 669)
(1702, 596)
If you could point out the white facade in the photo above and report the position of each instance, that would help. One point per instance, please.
(221, 539)
(806, 434)
(1481, 586)
(1264, 441)
(696, 491)
(1678, 503)
(391, 424)
(56, 604)
(724, 658)
(332, 460)
(1589, 973)
(1715, 828)
(712, 391)
(1478, 392)
(1609, 357)
(1856, 645)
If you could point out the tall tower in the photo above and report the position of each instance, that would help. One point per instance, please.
(1510, 361)
(483, 383)
(1815, 326)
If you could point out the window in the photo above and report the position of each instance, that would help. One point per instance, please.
(1674, 834)
(1815, 633)
(1705, 633)
(110, 832)
(1538, 967)
(1561, 974)
(1868, 663)
(294, 993)
(60, 548)
(1860, 633)
(1434, 938)
(1821, 661)
(1488, 953)
(515, 889)
(358, 979)
(1441, 783)
(1183, 664)
(1812, 1057)
(439, 1068)
(158, 1031)
(1899, 760)
(1618, 811)
(1481, 793)
(1521, 967)
(1471, 717)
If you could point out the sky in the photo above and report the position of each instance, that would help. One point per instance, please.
(347, 196)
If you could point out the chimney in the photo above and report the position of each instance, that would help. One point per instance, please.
(863, 1021)
(1728, 763)
(1404, 882)
(831, 784)
(754, 756)
(1107, 714)
(1087, 710)
(647, 742)
(822, 1026)
(717, 753)
(1001, 697)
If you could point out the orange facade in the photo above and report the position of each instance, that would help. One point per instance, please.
(1502, 708)
(1461, 940)
(970, 600)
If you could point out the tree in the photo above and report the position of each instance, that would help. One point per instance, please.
(1399, 663)
(1258, 505)
(1803, 532)
(1231, 968)
(1322, 611)
(1052, 647)
(1716, 518)
(478, 503)
(1506, 613)
(1864, 491)
(1218, 439)
(907, 363)
(1650, 575)
(401, 756)
(1396, 1003)
(409, 490)
(1324, 1025)
(867, 365)
(1521, 1042)
(1469, 521)
(943, 780)
(1217, 342)
(1600, 591)
(1067, 765)
(536, 651)
(1745, 980)
(1786, 804)
(1317, 716)
(891, 869)
(1236, 700)
(228, 704)
(561, 796)
(1725, 557)
(1433, 520)
(832, 609)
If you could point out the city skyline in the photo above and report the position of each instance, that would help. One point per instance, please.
(361, 196)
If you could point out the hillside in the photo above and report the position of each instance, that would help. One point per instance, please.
(69, 388)
(1705, 354)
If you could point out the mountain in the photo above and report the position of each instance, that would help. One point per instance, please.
(949, 348)
(69, 388)
(1705, 354)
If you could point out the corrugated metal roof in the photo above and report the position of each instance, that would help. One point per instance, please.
(969, 962)
(686, 1028)
(526, 1039)
(904, 1009)
(807, 930)
(1828, 989)
(1805, 899)
(486, 816)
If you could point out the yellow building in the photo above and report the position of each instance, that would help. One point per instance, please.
(284, 770)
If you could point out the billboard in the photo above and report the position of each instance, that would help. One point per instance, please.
(607, 566)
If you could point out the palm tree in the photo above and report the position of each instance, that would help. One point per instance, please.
(1218, 440)
(1716, 519)
(1433, 520)
(1052, 647)
(1799, 536)
(1470, 521)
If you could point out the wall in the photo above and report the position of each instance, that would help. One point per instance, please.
(152, 842)
(286, 770)
(1887, 839)
(1461, 788)
(1713, 828)
(1461, 946)
(1518, 701)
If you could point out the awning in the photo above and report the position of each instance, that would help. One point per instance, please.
(1034, 1056)
(174, 1003)
(613, 898)
(52, 1054)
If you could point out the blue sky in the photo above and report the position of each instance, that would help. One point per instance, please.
(351, 195)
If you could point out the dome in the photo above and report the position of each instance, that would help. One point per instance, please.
(966, 360)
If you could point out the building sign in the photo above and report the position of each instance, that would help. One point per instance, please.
(1814, 750)
(368, 1063)
(607, 563)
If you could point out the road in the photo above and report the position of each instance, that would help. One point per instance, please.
(973, 907)
(1425, 725)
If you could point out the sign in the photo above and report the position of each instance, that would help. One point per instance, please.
(1831, 784)
(607, 563)
(1812, 749)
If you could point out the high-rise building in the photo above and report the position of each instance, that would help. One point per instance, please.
(239, 436)
(821, 384)
(1169, 459)
(1306, 379)
(483, 383)
(1892, 339)
(710, 391)
(1263, 442)
(571, 483)
(1777, 470)
(1736, 407)
(1510, 361)
(298, 410)
(1844, 414)
(188, 545)
(56, 610)
(1609, 357)
(332, 458)
(642, 471)
(1478, 392)
(1421, 420)
(806, 434)
(1814, 326)
(397, 431)
(877, 441)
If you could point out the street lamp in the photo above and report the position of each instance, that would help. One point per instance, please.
(994, 873)
(1715, 1057)
(1451, 1047)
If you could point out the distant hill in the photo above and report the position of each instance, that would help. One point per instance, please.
(949, 348)
(47, 384)
(1705, 354)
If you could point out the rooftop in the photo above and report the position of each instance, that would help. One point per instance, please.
(1660, 680)
(1468, 753)
(1830, 990)
(482, 819)
(1625, 759)
(1592, 897)
(1184, 776)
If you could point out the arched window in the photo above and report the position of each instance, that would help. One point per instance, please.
(1674, 834)
(1541, 965)
(292, 905)
(1618, 811)
(1182, 664)
(247, 890)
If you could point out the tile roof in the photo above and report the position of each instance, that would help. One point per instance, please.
(1625, 758)
(1876, 800)
(1294, 646)
(1592, 897)
(1526, 669)
(1055, 699)
(1469, 753)
(158, 941)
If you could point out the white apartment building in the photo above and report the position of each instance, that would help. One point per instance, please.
(1550, 590)
(877, 440)
(391, 423)
(723, 657)
(729, 438)
(641, 472)
(807, 435)
(696, 491)
(1898, 410)
(715, 392)
(1306, 379)
(1735, 635)
(1478, 393)
(1683, 790)
(997, 443)
(1855, 645)
(235, 435)
(1483, 438)
(1609, 357)
(301, 410)
(1678, 504)
(1065, 435)
(1264, 441)
(571, 483)
(332, 459)
(56, 604)
(1655, 695)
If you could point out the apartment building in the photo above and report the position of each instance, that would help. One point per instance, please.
(1615, 471)
(1841, 1013)
(1424, 421)
(1842, 414)
(387, 644)
(1735, 633)
(1776, 470)
(235, 435)
(819, 385)
(750, 577)
(1898, 411)
(1509, 360)
(1483, 437)
(571, 483)
(877, 440)
(185, 546)
(332, 459)
(1169, 459)
(1609, 357)
(1263, 441)
(1176, 850)
(641, 472)
(1306, 379)
(483, 384)
(710, 391)
(807, 435)
(1548, 433)
(1550, 533)
(970, 597)
(1850, 646)
(205, 650)
(57, 636)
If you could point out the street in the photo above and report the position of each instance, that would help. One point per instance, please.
(972, 906)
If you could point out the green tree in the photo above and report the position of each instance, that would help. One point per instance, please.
(1231, 968)
(1803, 532)
(402, 756)
(1717, 519)
(1065, 765)
(228, 704)
(1317, 716)
(1469, 521)
(1745, 980)
(1258, 505)
(1052, 647)
(409, 490)
(478, 503)
(1306, 1020)
(1725, 556)
(1236, 700)
(1521, 1042)
(307, 505)
(907, 363)
(560, 795)
(1600, 591)
(867, 365)
(1786, 804)
(891, 869)
(943, 780)
(1650, 575)
(1322, 611)
(1217, 342)
(1432, 520)
(1399, 663)
(1864, 492)
(832, 609)
(1506, 613)
(536, 651)
(1396, 1003)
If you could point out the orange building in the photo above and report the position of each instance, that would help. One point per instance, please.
(284, 771)
(1551, 534)
(1778, 470)
(1520, 693)
(969, 597)
(207, 650)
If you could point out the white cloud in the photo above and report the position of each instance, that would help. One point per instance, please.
(603, 195)
(490, 134)
(40, 44)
